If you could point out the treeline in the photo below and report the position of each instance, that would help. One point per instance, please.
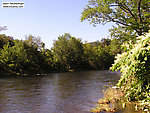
(68, 53)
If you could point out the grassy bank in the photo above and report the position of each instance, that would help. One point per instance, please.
(114, 100)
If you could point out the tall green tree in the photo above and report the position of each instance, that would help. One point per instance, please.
(130, 15)
(68, 52)
(13, 59)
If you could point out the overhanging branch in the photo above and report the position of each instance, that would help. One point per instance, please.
(139, 11)
(126, 9)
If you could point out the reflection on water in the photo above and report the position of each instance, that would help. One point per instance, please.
(54, 93)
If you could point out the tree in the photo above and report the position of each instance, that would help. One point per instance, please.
(13, 59)
(89, 54)
(48, 63)
(105, 42)
(5, 39)
(115, 47)
(105, 59)
(68, 52)
(130, 15)
(98, 54)
(35, 42)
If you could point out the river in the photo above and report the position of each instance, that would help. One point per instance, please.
(75, 92)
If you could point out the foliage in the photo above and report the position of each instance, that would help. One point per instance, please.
(67, 54)
(97, 55)
(114, 100)
(4, 40)
(131, 16)
(48, 56)
(115, 47)
(71, 54)
(134, 65)
(122, 34)
(13, 58)
(23, 57)
(68, 51)
(109, 102)
(35, 42)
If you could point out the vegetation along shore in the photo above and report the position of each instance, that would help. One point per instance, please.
(132, 19)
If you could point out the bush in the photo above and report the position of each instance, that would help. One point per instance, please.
(134, 65)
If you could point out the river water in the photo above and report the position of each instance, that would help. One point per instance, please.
(75, 92)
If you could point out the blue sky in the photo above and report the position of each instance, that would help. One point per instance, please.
(49, 19)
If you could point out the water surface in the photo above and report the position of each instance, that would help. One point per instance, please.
(75, 92)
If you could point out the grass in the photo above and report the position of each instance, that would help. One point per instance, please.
(114, 100)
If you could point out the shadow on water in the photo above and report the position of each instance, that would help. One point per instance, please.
(75, 92)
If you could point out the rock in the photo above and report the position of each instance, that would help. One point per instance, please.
(115, 87)
(103, 101)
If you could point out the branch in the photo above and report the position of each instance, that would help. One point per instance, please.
(139, 11)
(130, 12)
(120, 22)
(139, 15)
(113, 20)
(126, 9)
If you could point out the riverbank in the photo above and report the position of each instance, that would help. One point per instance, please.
(42, 72)
(134, 84)
(114, 100)
(7, 74)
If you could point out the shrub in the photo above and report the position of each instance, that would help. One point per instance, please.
(134, 65)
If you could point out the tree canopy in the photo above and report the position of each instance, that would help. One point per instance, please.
(130, 15)
(68, 51)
